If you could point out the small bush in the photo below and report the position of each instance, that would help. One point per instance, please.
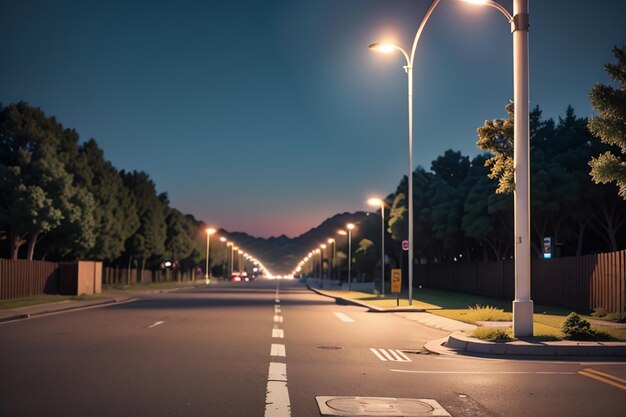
(576, 328)
(493, 334)
(616, 317)
(487, 313)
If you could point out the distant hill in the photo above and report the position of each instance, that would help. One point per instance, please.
(281, 254)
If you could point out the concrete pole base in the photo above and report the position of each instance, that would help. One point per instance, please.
(522, 318)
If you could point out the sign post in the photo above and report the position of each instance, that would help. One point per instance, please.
(396, 283)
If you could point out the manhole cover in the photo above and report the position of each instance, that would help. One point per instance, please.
(379, 407)
(329, 347)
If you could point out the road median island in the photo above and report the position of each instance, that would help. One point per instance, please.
(374, 302)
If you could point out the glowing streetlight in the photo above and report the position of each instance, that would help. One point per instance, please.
(331, 242)
(209, 232)
(408, 68)
(522, 305)
(377, 202)
(350, 227)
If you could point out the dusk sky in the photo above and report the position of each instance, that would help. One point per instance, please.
(267, 117)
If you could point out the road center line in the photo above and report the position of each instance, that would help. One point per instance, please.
(278, 333)
(277, 350)
(155, 324)
(343, 317)
(278, 318)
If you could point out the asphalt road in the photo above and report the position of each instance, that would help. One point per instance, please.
(257, 350)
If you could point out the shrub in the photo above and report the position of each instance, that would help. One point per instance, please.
(494, 334)
(487, 313)
(616, 317)
(576, 328)
(599, 312)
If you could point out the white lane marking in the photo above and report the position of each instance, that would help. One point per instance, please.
(155, 324)
(276, 309)
(277, 300)
(278, 319)
(343, 317)
(278, 333)
(375, 352)
(278, 372)
(277, 350)
(392, 355)
(277, 400)
(483, 372)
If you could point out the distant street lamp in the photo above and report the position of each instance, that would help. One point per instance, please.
(320, 267)
(377, 202)
(522, 305)
(331, 241)
(322, 247)
(408, 68)
(342, 233)
(209, 232)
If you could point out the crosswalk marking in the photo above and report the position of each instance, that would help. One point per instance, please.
(277, 350)
(343, 317)
(278, 333)
(392, 355)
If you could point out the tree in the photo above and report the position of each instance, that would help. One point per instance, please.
(115, 214)
(149, 240)
(38, 193)
(610, 125)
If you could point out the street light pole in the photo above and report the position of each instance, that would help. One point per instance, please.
(349, 226)
(522, 305)
(209, 232)
(409, 71)
(331, 241)
(381, 203)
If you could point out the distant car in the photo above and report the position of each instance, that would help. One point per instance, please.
(239, 277)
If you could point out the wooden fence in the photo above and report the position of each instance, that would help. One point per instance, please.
(579, 283)
(21, 278)
(115, 275)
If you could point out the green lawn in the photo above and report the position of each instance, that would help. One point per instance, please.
(547, 320)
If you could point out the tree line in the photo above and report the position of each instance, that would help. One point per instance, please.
(63, 200)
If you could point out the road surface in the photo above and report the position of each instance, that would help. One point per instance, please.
(270, 348)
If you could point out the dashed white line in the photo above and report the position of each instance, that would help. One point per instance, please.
(277, 350)
(278, 318)
(343, 317)
(277, 309)
(278, 333)
(155, 324)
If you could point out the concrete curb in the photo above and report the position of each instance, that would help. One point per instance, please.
(23, 316)
(370, 308)
(459, 343)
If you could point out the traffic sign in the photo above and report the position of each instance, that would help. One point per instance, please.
(405, 245)
(396, 280)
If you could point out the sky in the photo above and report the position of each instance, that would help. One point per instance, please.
(267, 117)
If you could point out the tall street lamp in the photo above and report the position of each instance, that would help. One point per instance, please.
(209, 232)
(320, 267)
(225, 260)
(387, 48)
(522, 305)
(350, 227)
(377, 202)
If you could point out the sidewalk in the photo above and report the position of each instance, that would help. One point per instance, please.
(460, 342)
(109, 297)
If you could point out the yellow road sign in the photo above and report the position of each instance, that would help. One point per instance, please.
(396, 280)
